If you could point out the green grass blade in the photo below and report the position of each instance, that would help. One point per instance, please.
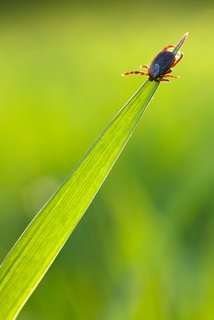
(40, 243)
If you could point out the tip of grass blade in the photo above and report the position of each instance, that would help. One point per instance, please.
(180, 43)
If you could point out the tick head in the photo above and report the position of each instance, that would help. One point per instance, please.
(154, 70)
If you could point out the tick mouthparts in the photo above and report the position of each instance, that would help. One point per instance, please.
(180, 43)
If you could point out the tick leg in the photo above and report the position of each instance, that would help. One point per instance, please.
(144, 67)
(163, 80)
(135, 72)
(170, 46)
(170, 76)
(177, 59)
(167, 76)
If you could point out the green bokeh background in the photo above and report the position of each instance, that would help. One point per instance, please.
(144, 249)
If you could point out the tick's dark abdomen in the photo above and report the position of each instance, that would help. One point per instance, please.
(161, 64)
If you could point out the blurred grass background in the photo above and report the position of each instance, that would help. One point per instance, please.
(144, 249)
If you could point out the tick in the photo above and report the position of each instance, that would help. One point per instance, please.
(161, 66)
